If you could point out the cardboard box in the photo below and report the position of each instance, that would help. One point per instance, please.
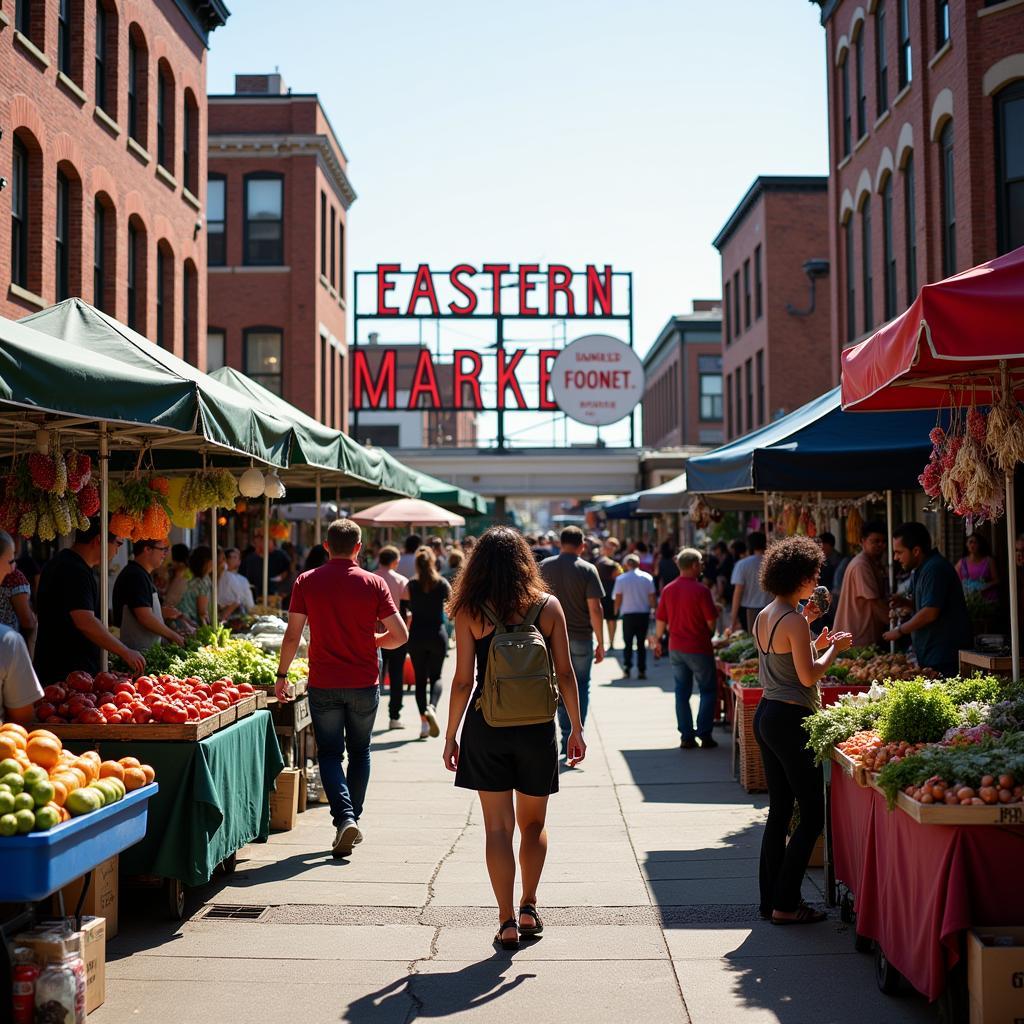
(51, 941)
(303, 792)
(101, 899)
(995, 975)
(284, 801)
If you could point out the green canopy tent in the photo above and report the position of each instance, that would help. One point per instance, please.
(451, 496)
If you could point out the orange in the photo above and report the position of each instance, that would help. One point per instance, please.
(14, 727)
(110, 769)
(93, 755)
(60, 792)
(16, 738)
(78, 775)
(44, 732)
(134, 778)
(68, 779)
(8, 748)
(44, 750)
(148, 771)
(130, 762)
(89, 768)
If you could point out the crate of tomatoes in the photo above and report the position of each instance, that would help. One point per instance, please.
(113, 706)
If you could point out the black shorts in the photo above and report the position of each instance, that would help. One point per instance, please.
(608, 608)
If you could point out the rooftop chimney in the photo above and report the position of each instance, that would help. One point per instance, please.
(706, 305)
(259, 85)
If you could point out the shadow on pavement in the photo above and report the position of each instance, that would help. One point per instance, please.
(687, 777)
(441, 994)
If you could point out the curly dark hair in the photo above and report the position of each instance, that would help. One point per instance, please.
(789, 563)
(501, 571)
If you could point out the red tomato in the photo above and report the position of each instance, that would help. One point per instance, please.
(144, 685)
(81, 682)
(142, 714)
(55, 694)
(44, 709)
(109, 709)
(193, 714)
(176, 715)
(92, 717)
(246, 689)
(124, 688)
(106, 697)
(106, 680)
(64, 710)
(122, 698)
(234, 693)
(79, 703)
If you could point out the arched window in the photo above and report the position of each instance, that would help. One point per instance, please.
(190, 144)
(104, 249)
(941, 23)
(862, 96)
(26, 212)
(165, 116)
(138, 86)
(1010, 166)
(844, 87)
(164, 294)
(138, 265)
(334, 254)
(189, 314)
(888, 251)
(216, 212)
(881, 61)
(904, 61)
(851, 281)
(867, 283)
(323, 233)
(30, 21)
(910, 226)
(67, 233)
(264, 219)
(947, 178)
(106, 57)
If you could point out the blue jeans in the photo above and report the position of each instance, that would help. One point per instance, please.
(581, 653)
(686, 668)
(343, 721)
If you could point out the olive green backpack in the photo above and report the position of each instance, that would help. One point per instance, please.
(519, 683)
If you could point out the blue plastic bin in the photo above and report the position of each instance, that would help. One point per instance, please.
(34, 865)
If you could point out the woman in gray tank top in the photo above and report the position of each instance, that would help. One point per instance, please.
(790, 663)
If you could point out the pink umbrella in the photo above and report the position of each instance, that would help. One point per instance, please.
(407, 512)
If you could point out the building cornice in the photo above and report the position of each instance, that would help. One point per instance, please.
(762, 184)
(203, 16)
(277, 145)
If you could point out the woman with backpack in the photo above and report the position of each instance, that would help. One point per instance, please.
(513, 634)
(427, 593)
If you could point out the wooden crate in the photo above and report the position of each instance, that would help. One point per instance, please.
(187, 731)
(752, 777)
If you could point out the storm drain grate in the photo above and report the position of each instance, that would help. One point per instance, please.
(228, 912)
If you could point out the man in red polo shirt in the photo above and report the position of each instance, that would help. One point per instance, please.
(687, 610)
(343, 604)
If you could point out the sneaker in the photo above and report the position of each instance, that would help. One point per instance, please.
(345, 838)
(431, 720)
(424, 728)
(627, 671)
(688, 744)
(641, 675)
(395, 723)
(707, 743)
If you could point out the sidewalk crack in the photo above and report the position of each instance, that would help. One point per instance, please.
(441, 863)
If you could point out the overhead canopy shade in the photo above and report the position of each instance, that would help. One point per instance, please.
(621, 508)
(666, 497)
(451, 496)
(218, 414)
(407, 512)
(947, 346)
(818, 447)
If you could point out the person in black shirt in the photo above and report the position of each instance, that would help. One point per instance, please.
(137, 609)
(70, 632)
(277, 570)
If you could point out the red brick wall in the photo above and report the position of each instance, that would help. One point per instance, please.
(979, 39)
(662, 422)
(293, 297)
(61, 128)
(694, 424)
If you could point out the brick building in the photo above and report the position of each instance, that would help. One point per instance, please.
(682, 403)
(926, 118)
(775, 350)
(278, 196)
(103, 112)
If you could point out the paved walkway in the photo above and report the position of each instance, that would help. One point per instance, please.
(649, 897)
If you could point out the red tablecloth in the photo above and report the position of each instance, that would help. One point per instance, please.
(918, 887)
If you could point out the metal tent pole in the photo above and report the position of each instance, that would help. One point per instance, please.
(213, 570)
(318, 527)
(765, 493)
(104, 528)
(266, 548)
(892, 564)
(1011, 540)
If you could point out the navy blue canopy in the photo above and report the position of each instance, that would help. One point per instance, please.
(818, 447)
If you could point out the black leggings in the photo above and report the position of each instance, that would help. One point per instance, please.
(792, 775)
(428, 655)
(634, 628)
(394, 666)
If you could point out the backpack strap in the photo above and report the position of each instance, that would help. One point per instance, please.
(533, 614)
(492, 617)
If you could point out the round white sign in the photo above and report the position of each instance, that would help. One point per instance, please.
(597, 380)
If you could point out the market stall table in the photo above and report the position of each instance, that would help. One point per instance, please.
(971, 661)
(919, 887)
(214, 799)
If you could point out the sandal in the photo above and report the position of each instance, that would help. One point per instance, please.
(805, 914)
(508, 943)
(531, 931)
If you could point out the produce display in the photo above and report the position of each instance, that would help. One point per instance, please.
(741, 647)
(864, 671)
(113, 698)
(957, 741)
(42, 784)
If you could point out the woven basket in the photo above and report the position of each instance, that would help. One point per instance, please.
(752, 777)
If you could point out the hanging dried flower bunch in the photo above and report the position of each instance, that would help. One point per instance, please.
(699, 514)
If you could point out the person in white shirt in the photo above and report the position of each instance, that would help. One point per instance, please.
(233, 590)
(635, 595)
(407, 561)
(19, 685)
(393, 662)
(747, 596)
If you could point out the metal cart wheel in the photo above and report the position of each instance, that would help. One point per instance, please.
(846, 914)
(229, 864)
(174, 895)
(862, 944)
(887, 977)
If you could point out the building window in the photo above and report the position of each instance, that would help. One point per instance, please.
(341, 257)
(905, 63)
(323, 235)
(214, 350)
(728, 405)
(760, 387)
(64, 37)
(190, 144)
(164, 296)
(948, 201)
(165, 117)
(1010, 166)
(728, 316)
(748, 366)
(138, 86)
(216, 247)
(101, 56)
(851, 286)
(61, 240)
(941, 23)
(844, 84)
(262, 357)
(736, 303)
(746, 294)
(758, 299)
(264, 220)
(910, 228)
(865, 260)
(133, 294)
(20, 223)
(334, 254)
(189, 307)
(888, 251)
(881, 60)
(23, 17)
(325, 379)
(711, 396)
(99, 267)
(862, 96)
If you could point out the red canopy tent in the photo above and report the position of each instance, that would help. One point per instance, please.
(960, 343)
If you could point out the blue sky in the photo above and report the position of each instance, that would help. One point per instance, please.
(571, 131)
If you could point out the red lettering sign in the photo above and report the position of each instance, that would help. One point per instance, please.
(424, 381)
(544, 360)
(384, 286)
(599, 290)
(461, 378)
(423, 288)
(507, 377)
(362, 379)
(464, 289)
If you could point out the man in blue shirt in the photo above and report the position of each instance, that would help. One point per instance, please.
(939, 627)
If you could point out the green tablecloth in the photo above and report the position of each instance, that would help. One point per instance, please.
(214, 798)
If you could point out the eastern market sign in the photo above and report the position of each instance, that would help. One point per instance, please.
(596, 380)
